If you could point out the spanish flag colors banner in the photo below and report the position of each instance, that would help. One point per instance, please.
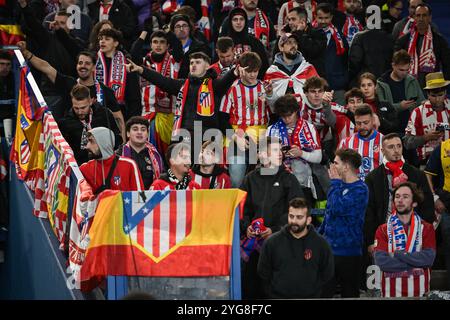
(10, 34)
(162, 233)
(28, 148)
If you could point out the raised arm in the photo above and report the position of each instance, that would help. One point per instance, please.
(38, 63)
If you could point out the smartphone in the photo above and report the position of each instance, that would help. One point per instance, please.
(414, 98)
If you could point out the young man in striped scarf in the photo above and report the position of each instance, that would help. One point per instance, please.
(428, 49)
(405, 247)
(138, 148)
(110, 70)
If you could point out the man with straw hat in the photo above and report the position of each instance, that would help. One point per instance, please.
(428, 124)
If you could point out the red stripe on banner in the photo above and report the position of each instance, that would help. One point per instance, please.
(140, 233)
(188, 212)
(404, 282)
(156, 229)
(383, 285)
(183, 262)
(173, 220)
(393, 286)
(416, 281)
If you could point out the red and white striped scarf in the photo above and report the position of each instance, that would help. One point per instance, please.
(116, 77)
(425, 60)
(204, 24)
(351, 27)
(331, 29)
(262, 28)
(151, 93)
(410, 24)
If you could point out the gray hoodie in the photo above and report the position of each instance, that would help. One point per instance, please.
(279, 60)
(105, 140)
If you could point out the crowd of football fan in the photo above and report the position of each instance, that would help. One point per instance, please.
(319, 104)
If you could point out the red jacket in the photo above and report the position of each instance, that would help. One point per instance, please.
(125, 177)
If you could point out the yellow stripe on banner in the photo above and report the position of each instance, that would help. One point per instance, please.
(107, 227)
(212, 219)
(213, 216)
(12, 29)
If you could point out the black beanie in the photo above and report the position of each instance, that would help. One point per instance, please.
(179, 17)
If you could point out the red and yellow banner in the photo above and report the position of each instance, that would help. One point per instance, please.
(162, 233)
(10, 34)
(28, 148)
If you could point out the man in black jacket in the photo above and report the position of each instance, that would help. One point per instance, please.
(312, 42)
(269, 190)
(381, 183)
(371, 51)
(191, 92)
(84, 116)
(428, 49)
(296, 261)
(181, 26)
(119, 13)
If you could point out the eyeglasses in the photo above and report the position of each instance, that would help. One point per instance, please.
(398, 9)
(183, 26)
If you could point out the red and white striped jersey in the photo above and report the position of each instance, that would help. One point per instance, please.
(411, 283)
(247, 105)
(423, 120)
(369, 148)
(221, 181)
(151, 94)
(316, 117)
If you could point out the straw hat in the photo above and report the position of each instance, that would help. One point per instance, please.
(435, 80)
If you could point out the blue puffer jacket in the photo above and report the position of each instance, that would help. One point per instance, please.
(344, 217)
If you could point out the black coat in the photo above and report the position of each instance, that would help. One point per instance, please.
(72, 128)
(295, 268)
(120, 15)
(371, 51)
(268, 197)
(377, 182)
(173, 87)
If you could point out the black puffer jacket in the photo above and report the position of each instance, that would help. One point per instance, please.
(268, 196)
(244, 42)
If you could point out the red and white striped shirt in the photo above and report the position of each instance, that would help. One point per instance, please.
(316, 117)
(221, 181)
(369, 149)
(423, 120)
(247, 105)
(151, 94)
(411, 283)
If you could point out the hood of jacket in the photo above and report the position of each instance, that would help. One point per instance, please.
(232, 33)
(105, 141)
(279, 60)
